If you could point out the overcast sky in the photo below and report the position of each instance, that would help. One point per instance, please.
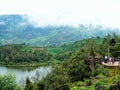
(65, 12)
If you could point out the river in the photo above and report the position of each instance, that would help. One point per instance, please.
(22, 72)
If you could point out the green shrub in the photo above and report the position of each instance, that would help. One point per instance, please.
(100, 70)
(8, 82)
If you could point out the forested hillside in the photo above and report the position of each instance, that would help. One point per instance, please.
(17, 29)
(74, 66)
(81, 67)
(16, 53)
(22, 54)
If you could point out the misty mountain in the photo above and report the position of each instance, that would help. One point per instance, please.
(18, 29)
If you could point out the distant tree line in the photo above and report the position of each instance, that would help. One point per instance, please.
(18, 53)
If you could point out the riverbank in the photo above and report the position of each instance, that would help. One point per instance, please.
(30, 64)
(35, 64)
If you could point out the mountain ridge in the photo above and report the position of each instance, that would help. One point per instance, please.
(17, 29)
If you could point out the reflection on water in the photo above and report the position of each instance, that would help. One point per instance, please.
(22, 72)
(22, 68)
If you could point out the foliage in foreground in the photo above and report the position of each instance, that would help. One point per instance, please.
(111, 81)
(8, 82)
(56, 80)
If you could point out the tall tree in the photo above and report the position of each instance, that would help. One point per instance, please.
(29, 85)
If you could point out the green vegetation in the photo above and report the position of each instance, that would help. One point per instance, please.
(81, 66)
(20, 54)
(75, 66)
(17, 29)
(8, 82)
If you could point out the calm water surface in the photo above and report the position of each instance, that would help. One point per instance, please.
(22, 72)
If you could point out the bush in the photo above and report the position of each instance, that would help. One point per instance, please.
(8, 82)
(57, 80)
(99, 86)
(100, 70)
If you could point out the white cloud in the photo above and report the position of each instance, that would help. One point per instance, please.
(65, 12)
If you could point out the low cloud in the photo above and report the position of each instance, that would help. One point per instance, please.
(65, 12)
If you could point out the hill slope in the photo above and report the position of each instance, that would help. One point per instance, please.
(18, 29)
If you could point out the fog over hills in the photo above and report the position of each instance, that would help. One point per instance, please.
(18, 29)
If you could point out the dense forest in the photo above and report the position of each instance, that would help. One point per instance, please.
(75, 66)
(20, 53)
